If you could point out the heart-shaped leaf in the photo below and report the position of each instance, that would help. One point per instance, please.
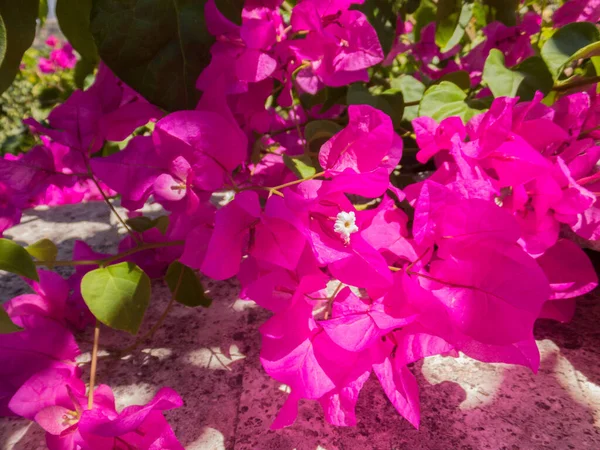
(444, 100)
(19, 20)
(15, 259)
(522, 80)
(43, 250)
(117, 295)
(567, 43)
(185, 286)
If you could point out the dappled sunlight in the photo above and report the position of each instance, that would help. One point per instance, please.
(214, 358)
(210, 438)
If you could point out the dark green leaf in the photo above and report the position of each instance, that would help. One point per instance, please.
(19, 18)
(302, 166)
(117, 295)
(334, 96)
(83, 69)
(466, 12)
(505, 11)
(15, 259)
(143, 223)
(459, 78)
(158, 47)
(445, 100)
(318, 132)
(522, 80)
(412, 91)
(162, 223)
(185, 286)
(74, 21)
(2, 40)
(7, 325)
(231, 9)
(43, 250)
(567, 42)
(425, 14)
(446, 20)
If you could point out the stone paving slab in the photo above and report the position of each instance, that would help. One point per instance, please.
(210, 356)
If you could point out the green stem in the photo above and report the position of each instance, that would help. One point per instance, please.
(110, 259)
(576, 83)
(110, 205)
(94, 364)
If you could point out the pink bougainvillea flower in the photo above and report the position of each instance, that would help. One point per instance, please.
(64, 57)
(46, 65)
(10, 208)
(569, 270)
(514, 42)
(362, 145)
(341, 44)
(330, 226)
(108, 110)
(57, 402)
(577, 11)
(43, 344)
(475, 286)
(308, 361)
(356, 323)
(52, 41)
(230, 236)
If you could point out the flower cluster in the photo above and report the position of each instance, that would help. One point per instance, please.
(61, 56)
(363, 274)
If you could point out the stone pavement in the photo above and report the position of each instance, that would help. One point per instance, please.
(210, 356)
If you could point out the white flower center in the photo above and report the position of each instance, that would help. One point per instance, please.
(345, 225)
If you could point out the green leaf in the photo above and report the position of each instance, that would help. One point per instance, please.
(19, 18)
(43, 12)
(412, 91)
(83, 69)
(158, 47)
(504, 10)
(446, 20)
(2, 40)
(466, 12)
(333, 96)
(302, 166)
(317, 132)
(566, 43)
(143, 223)
(231, 9)
(522, 80)
(445, 100)
(6, 325)
(162, 223)
(460, 78)
(185, 286)
(43, 250)
(117, 295)
(425, 14)
(15, 259)
(74, 21)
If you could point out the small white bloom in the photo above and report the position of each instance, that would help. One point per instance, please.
(345, 224)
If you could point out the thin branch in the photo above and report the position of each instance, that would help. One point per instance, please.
(94, 364)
